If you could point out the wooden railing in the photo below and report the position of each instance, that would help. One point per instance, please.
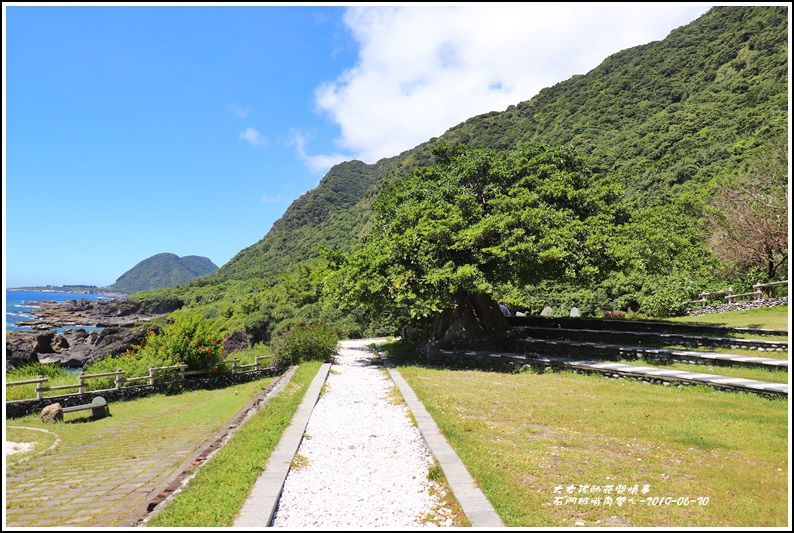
(757, 292)
(704, 296)
(120, 379)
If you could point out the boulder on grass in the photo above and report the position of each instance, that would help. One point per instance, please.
(52, 414)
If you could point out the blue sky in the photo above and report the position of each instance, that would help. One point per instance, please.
(131, 130)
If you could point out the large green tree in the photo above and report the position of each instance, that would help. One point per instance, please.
(446, 235)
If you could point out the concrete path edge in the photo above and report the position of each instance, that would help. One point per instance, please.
(260, 506)
(475, 505)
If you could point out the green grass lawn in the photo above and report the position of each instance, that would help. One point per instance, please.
(529, 438)
(764, 318)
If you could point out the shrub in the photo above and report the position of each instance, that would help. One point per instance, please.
(190, 339)
(304, 342)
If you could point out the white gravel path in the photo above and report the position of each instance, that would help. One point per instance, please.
(366, 464)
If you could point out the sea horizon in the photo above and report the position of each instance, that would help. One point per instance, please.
(20, 302)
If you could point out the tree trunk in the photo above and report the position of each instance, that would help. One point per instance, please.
(473, 317)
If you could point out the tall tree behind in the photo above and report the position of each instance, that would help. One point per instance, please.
(750, 216)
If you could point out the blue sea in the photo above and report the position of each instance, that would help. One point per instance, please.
(19, 304)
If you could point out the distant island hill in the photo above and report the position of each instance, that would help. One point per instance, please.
(157, 272)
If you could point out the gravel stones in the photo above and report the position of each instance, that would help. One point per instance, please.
(362, 462)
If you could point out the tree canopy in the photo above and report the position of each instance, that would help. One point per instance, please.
(479, 219)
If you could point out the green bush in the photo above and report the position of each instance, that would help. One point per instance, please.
(304, 342)
(190, 339)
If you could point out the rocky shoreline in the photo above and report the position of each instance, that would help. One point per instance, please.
(123, 324)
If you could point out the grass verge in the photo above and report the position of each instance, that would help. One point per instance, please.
(763, 318)
(216, 494)
(551, 449)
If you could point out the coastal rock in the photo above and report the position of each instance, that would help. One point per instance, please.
(123, 323)
(97, 313)
(20, 349)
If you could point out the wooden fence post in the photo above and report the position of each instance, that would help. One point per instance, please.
(151, 375)
(39, 387)
(119, 378)
(81, 383)
(182, 367)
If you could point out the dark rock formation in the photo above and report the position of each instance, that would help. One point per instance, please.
(21, 349)
(237, 341)
(124, 323)
(72, 348)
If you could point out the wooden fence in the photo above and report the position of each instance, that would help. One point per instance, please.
(757, 292)
(120, 379)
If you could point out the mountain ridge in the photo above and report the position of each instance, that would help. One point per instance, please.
(161, 271)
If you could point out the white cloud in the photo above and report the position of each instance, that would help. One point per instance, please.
(272, 200)
(253, 136)
(424, 69)
(240, 112)
(318, 164)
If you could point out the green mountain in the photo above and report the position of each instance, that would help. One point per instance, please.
(161, 271)
(690, 108)
(673, 120)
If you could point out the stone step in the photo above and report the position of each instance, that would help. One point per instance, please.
(617, 351)
(614, 370)
(649, 326)
(647, 338)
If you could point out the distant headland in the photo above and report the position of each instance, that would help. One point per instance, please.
(76, 289)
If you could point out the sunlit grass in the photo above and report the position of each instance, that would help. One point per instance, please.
(216, 494)
(36, 440)
(763, 318)
(527, 437)
(774, 354)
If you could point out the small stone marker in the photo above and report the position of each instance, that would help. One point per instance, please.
(547, 312)
(52, 414)
(575, 313)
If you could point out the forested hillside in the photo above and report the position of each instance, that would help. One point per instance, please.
(675, 122)
(163, 270)
(692, 107)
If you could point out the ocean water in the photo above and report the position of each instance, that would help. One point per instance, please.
(19, 304)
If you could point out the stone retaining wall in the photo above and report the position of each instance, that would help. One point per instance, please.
(738, 306)
(19, 408)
